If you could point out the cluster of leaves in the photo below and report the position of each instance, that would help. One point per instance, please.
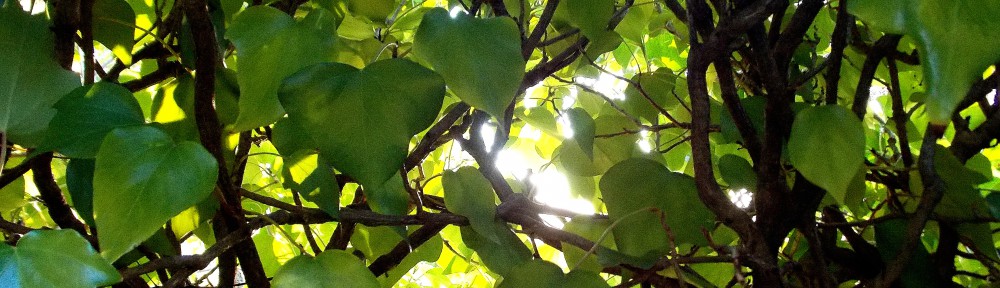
(368, 143)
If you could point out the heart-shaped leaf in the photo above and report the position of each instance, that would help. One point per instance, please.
(637, 184)
(332, 268)
(827, 146)
(958, 40)
(142, 179)
(265, 38)
(363, 119)
(485, 50)
(87, 114)
(30, 79)
(54, 258)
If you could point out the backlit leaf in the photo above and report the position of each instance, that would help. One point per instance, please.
(827, 146)
(332, 268)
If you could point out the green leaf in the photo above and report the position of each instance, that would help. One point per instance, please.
(502, 257)
(583, 129)
(54, 258)
(541, 273)
(920, 271)
(362, 120)
(142, 179)
(311, 175)
(487, 50)
(640, 184)
(659, 86)
(430, 251)
(957, 40)
(737, 172)
(87, 114)
(80, 183)
(963, 199)
(288, 137)
(592, 229)
(534, 273)
(469, 194)
(30, 79)
(376, 10)
(827, 146)
(390, 198)
(265, 40)
(583, 279)
(332, 268)
(591, 16)
(114, 22)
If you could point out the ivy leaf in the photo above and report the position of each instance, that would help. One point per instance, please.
(113, 27)
(142, 179)
(87, 114)
(271, 46)
(583, 129)
(957, 40)
(311, 175)
(54, 258)
(827, 146)
(363, 119)
(469, 194)
(464, 47)
(332, 268)
(30, 79)
(639, 184)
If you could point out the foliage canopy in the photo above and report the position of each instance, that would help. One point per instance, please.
(509, 143)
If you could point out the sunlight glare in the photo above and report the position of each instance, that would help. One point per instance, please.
(456, 10)
(740, 197)
(990, 97)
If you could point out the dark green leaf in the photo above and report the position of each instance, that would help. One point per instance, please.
(737, 172)
(142, 179)
(80, 183)
(362, 120)
(265, 38)
(54, 258)
(30, 79)
(87, 114)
